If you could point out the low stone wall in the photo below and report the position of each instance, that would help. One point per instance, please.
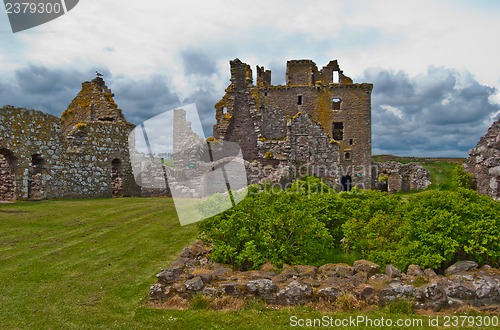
(462, 285)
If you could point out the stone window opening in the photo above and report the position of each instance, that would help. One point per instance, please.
(338, 131)
(7, 175)
(299, 99)
(347, 155)
(224, 110)
(110, 119)
(35, 181)
(336, 103)
(335, 77)
(350, 142)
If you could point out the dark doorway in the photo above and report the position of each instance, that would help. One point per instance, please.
(346, 182)
(35, 181)
(116, 178)
(7, 175)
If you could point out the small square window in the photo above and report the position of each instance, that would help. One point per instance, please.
(336, 103)
(347, 155)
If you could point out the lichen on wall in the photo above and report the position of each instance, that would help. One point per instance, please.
(71, 156)
(258, 116)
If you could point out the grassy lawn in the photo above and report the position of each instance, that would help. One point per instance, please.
(88, 264)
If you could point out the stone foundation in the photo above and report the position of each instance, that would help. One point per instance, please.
(463, 285)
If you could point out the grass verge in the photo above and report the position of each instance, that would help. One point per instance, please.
(88, 264)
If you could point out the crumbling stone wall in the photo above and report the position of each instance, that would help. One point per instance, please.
(43, 156)
(484, 162)
(394, 177)
(28, 134)
(248, 114)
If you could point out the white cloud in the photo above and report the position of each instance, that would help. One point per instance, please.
(395, 111)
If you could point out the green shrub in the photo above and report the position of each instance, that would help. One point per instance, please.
(434, 229)
(269, 226)
(460, 178)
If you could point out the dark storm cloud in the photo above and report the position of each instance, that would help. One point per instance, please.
(36, 79)
(196, 62)
(441, 113)
(144, 99)
(42, 88)
(205, 99)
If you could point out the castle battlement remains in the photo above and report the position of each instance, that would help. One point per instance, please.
(319, 122)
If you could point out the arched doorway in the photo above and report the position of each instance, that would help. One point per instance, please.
(35, 181)
(116, 178)
(7, 175)
(346, 182)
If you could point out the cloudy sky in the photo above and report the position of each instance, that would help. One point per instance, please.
(434, 64)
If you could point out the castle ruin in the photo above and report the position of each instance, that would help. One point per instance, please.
(82, 154)
(319, 123)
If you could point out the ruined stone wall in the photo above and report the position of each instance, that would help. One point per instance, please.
(394, 177)
(83, 154)
(93, 103)
(484, 162)
(248, 114)
(25, 135)
(88, 157)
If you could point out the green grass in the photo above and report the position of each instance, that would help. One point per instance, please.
(88, 264)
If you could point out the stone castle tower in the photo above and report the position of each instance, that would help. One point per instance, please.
(82, 154)
(319, 120)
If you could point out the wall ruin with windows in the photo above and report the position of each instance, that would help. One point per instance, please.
(261, 117)
(43, 156)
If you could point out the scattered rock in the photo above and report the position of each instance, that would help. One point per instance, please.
(194, 284)
(464, 287)
(295, 293)
(392, 271)
(460, 267)
(329, 294)
(340, 270)
(414, 270)
(370, 268)
(262, 288)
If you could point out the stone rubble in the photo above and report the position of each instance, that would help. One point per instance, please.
(464, 284)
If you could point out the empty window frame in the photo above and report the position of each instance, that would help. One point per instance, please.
(347, 155)
(335, 77)
(336, 103)
(299, 99)
(338, 131)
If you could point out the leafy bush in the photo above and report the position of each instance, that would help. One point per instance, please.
(434, 229)
(306, 223)
(269, 226)
(460, 178)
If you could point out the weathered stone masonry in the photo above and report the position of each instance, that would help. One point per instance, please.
(484, 162)
(82, 154)
(320, 119)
